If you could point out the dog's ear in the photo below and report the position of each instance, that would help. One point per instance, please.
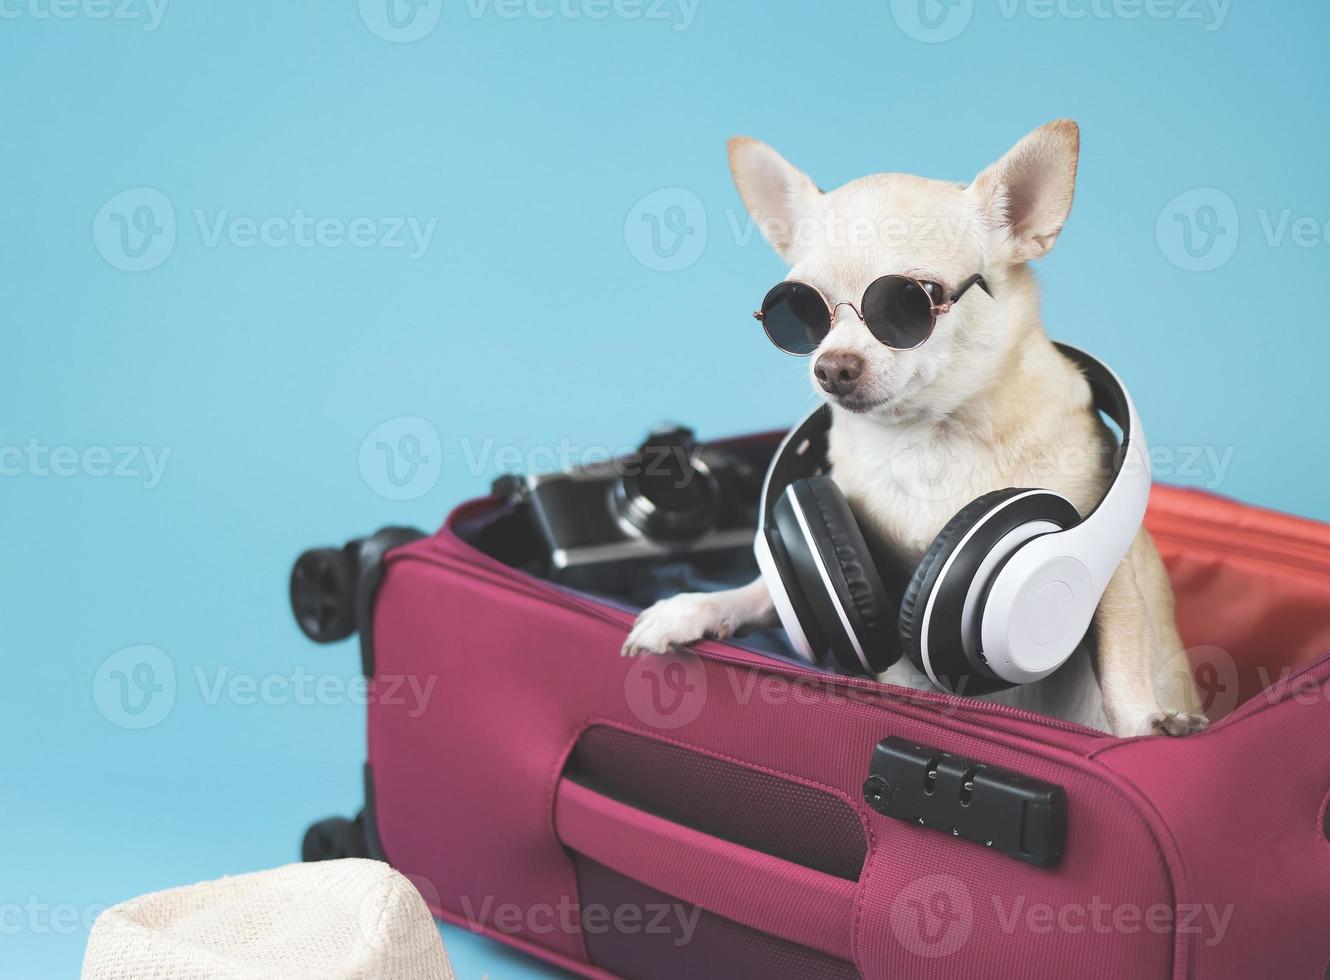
(778, 195)
(1027, 194)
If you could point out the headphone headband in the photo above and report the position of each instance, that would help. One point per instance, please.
(1121, 510)
(801, 454)
(1042, 601)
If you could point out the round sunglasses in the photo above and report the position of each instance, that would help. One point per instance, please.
(899, 311)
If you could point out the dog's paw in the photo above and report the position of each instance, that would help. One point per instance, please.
(676, 622)
(1173, 723)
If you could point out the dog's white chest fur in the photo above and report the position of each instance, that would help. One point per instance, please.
(905, 482)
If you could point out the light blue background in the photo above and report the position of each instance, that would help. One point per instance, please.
(538, 317)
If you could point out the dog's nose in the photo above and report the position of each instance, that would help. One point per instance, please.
(838, 372)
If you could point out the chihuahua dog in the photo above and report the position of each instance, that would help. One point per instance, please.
(986, 403)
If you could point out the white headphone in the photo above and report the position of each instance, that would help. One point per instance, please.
(1004, 594)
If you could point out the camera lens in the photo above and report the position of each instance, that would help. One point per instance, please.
(665, 491)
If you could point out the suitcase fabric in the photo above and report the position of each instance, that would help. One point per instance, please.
(705, 815)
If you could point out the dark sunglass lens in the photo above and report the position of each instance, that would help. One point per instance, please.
(898, 312)
(795, 317)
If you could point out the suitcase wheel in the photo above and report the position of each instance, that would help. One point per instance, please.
(323, 594)
(335, 838)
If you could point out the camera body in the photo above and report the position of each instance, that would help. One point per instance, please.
(672, 498)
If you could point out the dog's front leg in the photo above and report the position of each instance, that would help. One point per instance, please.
(694, 616)
(1136, 633)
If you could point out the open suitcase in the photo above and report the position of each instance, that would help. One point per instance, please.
(728, 814)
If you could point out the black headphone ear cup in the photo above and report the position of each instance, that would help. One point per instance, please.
(1037, 505)
(925, 573)
(852, 576)
(796, 567)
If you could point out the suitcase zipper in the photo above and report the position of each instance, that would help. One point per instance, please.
(928, 699)
(907, 694)
(509, 577)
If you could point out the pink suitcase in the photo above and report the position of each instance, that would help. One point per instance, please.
(724, 814)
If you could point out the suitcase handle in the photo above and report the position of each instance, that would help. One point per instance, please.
(757, 890)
